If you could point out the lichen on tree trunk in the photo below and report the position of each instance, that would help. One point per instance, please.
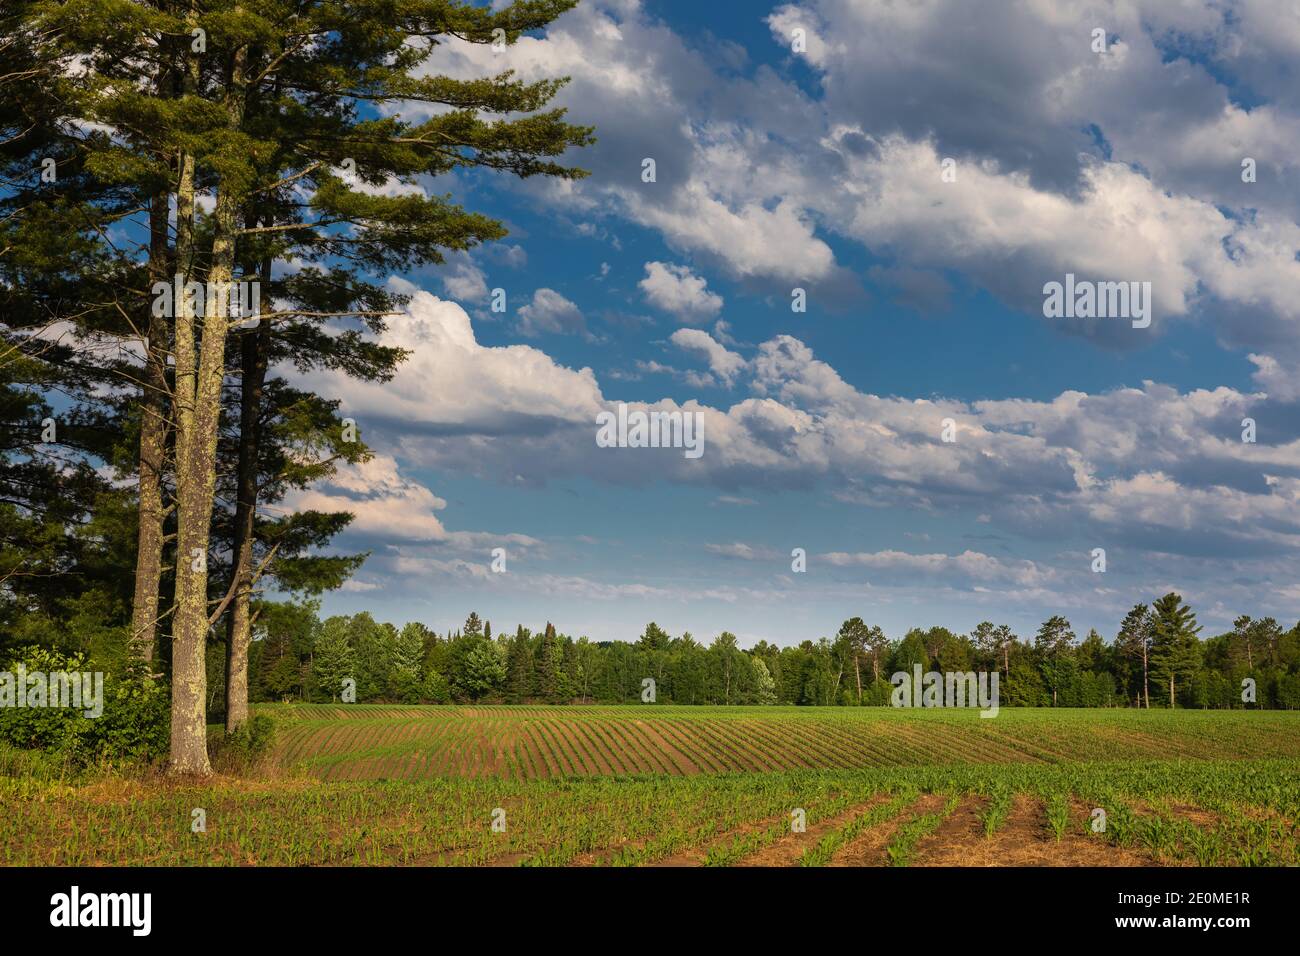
(254, 349)
(196, 466)
(153, 449)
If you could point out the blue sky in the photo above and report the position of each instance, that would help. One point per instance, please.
(821, 169)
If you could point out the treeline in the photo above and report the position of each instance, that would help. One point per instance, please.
(1157, 658)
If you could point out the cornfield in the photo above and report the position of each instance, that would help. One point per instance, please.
(701, 787)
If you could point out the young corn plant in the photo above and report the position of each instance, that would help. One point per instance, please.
(994, 815)
(824, 851)
(1058, 814)
(901, 850)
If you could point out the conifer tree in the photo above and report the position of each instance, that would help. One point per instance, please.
(333, 658)
(1054, 643)
(407, 658)
(274, 115)
(1175, 649)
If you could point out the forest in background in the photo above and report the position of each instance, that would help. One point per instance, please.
(1157, 658)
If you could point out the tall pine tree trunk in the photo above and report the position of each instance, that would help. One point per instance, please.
(195, 486)
(254, 348)
(153, 448)
(196, 468)
(188, 747)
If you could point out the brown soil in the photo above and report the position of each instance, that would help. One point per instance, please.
(868, 847)
(695, 855)
(674, 753)
(787, 850)
(1207, 819)
(952, 842)
(1026, 840)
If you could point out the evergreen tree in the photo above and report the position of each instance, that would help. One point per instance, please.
(243, 110)
(1175, 649)
(278, 439)
(334, 658)
(64, 528)
(483, 668)
(521, 675)
(854, 634)
(288, 632)
(408, 656)
(550, 666)
(1054, 644)
(654, 638)
(1092, 653)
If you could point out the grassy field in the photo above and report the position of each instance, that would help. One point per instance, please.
(379, 784)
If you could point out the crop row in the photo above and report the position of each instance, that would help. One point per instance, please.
(1239, 813)
(520, 743)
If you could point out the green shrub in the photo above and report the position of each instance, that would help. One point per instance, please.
(246, 747)
(134, 725)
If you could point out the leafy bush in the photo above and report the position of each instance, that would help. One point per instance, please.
(247, 746)
(134, 726)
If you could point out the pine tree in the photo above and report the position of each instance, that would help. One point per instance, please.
(63, 526)
(855, 634)
(334, 659)
(1134, 642)
(1175, 649)
(1092, 652)
(279, 439)
(407, 659)
(521, 677)
(375, 645)
(250, 107)
(550, 659)
(654, 638)
(1054, 644)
